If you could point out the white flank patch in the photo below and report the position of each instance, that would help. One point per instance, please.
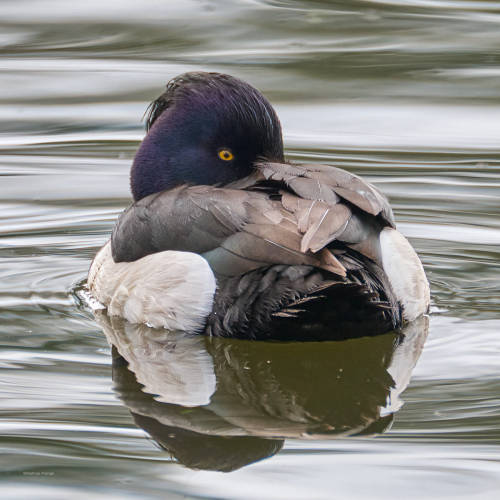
(405, 272)
(172, 290)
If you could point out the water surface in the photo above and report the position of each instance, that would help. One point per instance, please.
(406, 94)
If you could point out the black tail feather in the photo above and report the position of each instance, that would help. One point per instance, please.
(305, 303)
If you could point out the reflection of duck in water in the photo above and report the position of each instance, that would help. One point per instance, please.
(219, 404)
(225, 237)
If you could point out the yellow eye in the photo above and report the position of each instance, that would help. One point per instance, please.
(225, 154)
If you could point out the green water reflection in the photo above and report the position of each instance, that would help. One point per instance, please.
(201, 398)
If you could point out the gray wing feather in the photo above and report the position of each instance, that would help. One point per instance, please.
(318, 182)
(195, 219)
(241, 227)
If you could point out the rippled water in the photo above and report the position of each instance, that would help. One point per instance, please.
(404, 93)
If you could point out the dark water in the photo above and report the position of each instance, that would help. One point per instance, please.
(404, 93)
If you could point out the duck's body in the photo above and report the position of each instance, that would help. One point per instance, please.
(273, 251)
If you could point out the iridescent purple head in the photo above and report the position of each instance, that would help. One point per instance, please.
(207, 128)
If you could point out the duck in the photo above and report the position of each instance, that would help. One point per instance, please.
(227, 238)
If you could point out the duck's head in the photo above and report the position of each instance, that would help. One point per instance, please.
(206, 128)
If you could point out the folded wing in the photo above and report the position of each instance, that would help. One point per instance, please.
(281, 214)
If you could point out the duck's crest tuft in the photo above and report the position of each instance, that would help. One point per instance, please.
(185, 81)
